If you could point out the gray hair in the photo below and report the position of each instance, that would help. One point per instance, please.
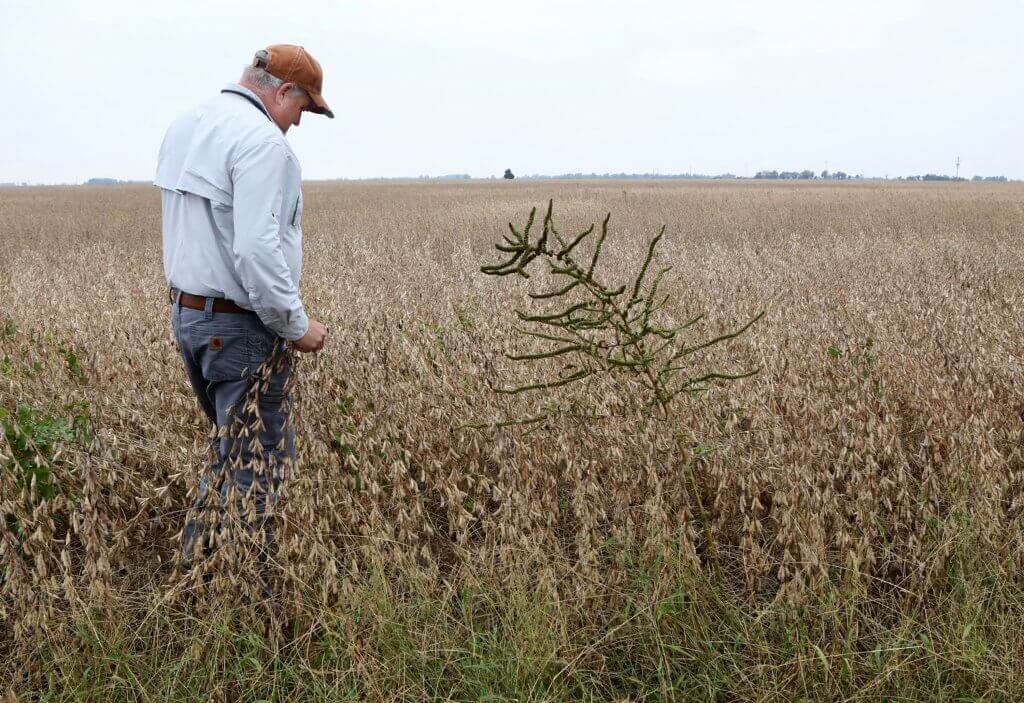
(258, 77)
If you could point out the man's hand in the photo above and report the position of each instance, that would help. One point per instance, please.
(313, 340)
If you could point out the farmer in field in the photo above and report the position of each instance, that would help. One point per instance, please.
(232, 245)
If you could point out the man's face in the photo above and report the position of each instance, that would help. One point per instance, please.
(288, 106)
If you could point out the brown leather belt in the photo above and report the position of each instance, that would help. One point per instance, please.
(198, 302)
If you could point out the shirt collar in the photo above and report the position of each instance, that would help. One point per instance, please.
(248, 95)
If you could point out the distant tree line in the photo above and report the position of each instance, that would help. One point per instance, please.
(805, 175)
(626, 176)
(931, 177)
(942, 177)
(843, 176)
(111, 182)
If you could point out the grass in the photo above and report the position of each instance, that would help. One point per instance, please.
(666, 635)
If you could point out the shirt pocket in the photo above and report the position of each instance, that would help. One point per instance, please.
(296, 220)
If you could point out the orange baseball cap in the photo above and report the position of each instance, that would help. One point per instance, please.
(293, 64)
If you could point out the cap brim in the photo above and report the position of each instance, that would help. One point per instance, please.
(321, 105)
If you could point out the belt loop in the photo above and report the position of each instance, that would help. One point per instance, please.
(208, 309)
(177, 301)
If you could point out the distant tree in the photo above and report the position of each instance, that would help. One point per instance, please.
(807, 175)
(824, 174)
(508, 174)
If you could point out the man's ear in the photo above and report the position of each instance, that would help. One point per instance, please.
(282, 90)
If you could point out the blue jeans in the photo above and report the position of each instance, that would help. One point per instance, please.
(224, 355)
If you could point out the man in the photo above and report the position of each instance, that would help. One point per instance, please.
(232, 245)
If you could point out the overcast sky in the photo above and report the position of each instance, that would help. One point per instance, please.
(540, 86)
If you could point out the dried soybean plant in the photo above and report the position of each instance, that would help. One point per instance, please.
(884, 476)
(238, 516)
(605, 327)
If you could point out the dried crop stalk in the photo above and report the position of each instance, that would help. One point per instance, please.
(605, 327)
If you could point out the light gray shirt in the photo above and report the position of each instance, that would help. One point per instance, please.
(232, 209)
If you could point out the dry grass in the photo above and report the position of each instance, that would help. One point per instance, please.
(877, 453)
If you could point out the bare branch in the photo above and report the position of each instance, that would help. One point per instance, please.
(618, 337)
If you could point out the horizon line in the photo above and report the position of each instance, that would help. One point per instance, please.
(779, 175)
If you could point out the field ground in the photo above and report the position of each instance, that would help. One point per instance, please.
(845, 525)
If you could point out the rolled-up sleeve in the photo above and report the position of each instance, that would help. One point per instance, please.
(258, 177)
